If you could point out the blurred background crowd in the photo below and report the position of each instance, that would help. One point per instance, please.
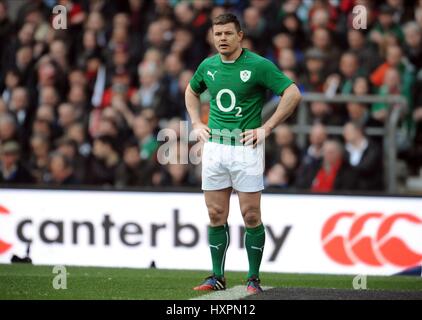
(84, 105)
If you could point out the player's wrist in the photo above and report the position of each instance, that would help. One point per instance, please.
(196, 123)
(268, 128)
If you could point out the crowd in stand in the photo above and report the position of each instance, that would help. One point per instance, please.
(84, 105)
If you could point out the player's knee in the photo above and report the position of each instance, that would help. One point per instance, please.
(251, 216)
(216, 214)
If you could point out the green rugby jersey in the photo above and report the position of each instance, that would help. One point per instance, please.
(237, 91)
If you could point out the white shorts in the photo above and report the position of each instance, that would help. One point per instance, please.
(239, 167)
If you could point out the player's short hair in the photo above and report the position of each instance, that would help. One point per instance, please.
(226, 18)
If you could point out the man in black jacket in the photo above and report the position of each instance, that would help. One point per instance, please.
(365, 158)
(11, 169)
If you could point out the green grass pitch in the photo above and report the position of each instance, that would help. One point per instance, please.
(36, 282)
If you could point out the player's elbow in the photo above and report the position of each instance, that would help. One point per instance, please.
(294, 94)
(297, 96)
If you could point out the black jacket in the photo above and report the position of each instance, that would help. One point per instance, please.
(20, 176)
(369, 170)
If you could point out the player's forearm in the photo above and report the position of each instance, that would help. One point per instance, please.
(288, 103)
(192, 105)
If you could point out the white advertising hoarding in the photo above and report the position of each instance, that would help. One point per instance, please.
(305, 233)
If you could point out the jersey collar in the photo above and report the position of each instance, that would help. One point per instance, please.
(233, 61)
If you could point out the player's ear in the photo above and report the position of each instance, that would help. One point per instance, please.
(240, 34)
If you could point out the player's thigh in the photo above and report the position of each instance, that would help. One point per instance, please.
(215, 175)
(250, 207)
(247, 169)
(218, 203)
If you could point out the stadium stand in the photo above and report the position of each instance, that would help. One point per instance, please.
(84, 105)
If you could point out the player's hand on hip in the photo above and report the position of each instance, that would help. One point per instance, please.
(255, 136)
(202, 132)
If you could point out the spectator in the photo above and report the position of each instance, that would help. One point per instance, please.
(280, 41)
(333, 173)
(12, 81)
(67, 115)
(365, 157)
(59, 54)
(322, 14)
(413, 43)
(133, 171)
(184, 13)
(8, 128)
(173, 69)
(369, 58)
(43, 127)
(120, 86)
(49, 96)
(402, 12)
(11, 167)
(150, 93)
(322, 40)
(391, 86)
(361, 86)
(359, 113)
(322, 112)
(77, 97)
(282, 137)
(292, 25)
(77, 78)
(384, 26)
(184, 48)
(255, 28)
(394, 59)
(143, 131)
(20, 106)
(24, 64)
(287, 60)
(277, 177)
(77, 133)
(38, 162)
(95, 22)
(61, 171)
(155, 37)
(317, 137)
(349, 70)
(289, 158)
(49, 74)
(314, 75)
(103, 163)
(69, 149)
(176, 175)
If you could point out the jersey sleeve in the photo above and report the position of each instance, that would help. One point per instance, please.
(273, 78)
(197, 82)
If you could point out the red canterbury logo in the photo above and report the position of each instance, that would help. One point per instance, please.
(4, 246)
(377, 248)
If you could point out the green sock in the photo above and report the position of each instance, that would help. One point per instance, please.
(218, 239)
(254, 243)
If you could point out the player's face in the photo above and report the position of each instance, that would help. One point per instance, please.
(226, 39)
